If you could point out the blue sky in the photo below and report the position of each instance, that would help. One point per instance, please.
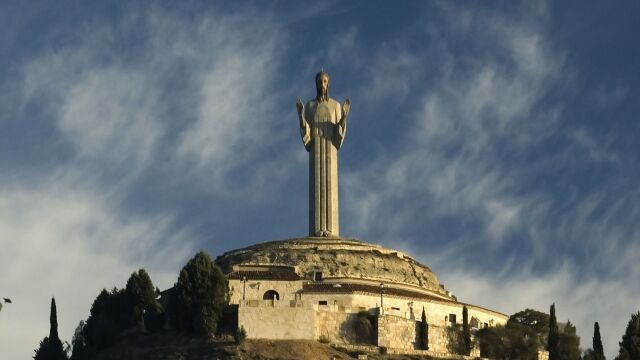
(495, 143)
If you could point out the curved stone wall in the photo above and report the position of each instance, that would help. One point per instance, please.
(335, 258)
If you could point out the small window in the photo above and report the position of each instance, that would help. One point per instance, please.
(452, 318)
(322, 302)
(317, 276)
(395, 308)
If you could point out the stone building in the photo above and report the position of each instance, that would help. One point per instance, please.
(323, 288)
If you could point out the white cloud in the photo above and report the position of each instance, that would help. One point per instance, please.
(605, 96)
(197, 95)
(235, 116)
(392, 72)
(344, 48)
(503, 218)
(480, 107)
(108, 113)
(596, 152)
(67, 240)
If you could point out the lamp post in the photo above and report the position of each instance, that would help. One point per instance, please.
(244, 286)
(381, 303)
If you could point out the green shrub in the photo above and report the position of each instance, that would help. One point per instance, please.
(240, 335)
(513, 341)
(323, 339)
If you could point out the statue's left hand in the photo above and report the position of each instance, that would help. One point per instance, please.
(299, 106)
(345, 107)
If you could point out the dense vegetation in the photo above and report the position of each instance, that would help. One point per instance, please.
(525, 333)
(630, 344)
(195, 306)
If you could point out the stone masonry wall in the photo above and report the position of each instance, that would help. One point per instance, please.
(278, 320)
(402, 334)
(287, 319)
(337, 327)
(438, 339)
(437, 312)
(396, 332)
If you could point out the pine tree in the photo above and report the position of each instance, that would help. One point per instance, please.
(466, 332)
(630, 344)
(141, 294)
(552, 341)
(598, 350)
(77, 342)
(568, 343)
(201, 294)
(51, 347)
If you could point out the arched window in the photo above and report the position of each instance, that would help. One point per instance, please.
(271, 295)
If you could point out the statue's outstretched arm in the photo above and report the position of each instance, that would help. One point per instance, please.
(346, 107)
(305, 131)
(341, 129)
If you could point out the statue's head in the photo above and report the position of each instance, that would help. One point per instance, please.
(322, 85)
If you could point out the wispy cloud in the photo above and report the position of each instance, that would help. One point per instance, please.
(486, 156)
(65, 239)
(476, 109)
(194, 100)
(212, 74)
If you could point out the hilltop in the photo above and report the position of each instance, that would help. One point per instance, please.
(169, 345)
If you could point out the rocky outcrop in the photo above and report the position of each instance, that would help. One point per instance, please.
(336, 258)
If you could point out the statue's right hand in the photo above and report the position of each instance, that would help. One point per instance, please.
(299, 105)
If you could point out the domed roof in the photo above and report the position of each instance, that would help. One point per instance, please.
(337, 259)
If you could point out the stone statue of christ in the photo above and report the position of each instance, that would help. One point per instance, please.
(323, 124)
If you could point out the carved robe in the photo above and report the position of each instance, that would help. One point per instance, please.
(322, 136)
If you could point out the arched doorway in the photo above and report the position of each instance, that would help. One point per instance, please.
(271, 295)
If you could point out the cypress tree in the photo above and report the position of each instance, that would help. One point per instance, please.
(552, 342)
(51, 347)
(424, 331)
(53, 321)
(466, 332)
(598, 350)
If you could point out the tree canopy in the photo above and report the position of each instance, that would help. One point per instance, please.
(199, 297)
(534, 319)
(513, 341)
(568, 343)
(630, 344)
(117, 310)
